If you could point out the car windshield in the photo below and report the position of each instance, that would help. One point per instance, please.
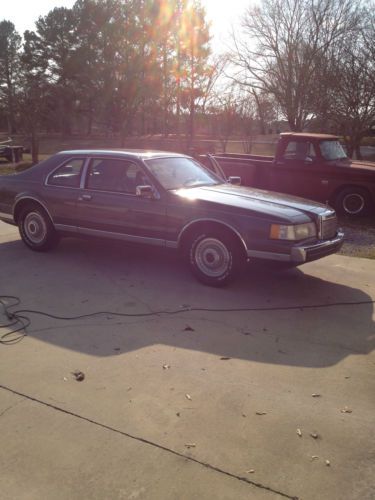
(179, 172)
(332, 150)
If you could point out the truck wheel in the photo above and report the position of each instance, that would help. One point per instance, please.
(36, 229)
(353, 201)
(214, 257)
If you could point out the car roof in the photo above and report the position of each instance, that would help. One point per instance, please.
(309, 135)
(143, 154)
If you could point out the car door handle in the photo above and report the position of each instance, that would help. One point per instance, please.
(85, 197)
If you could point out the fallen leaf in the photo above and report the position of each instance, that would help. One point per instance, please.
(187, 396)
(224, 358)
(250, 471)
(190, 445)
(260, 413)
(243, 414)
(79, 376)
(188, 328)
(346, 410)
(299, 432)
(65, 379)
(166, 367)
(315, 395)
(314, 457)
(178, 414)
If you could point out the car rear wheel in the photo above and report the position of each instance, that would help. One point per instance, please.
(353, 201)
(36, 229)
(214, 258)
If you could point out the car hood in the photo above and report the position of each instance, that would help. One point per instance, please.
(363, 165)
(356, 164)
(256, 200)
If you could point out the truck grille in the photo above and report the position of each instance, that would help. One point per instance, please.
(328, 225)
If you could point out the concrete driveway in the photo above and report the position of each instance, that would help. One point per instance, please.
(222, 418)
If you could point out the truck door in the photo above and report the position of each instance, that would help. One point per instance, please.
(296, 171)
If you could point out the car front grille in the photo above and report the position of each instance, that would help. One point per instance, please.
(328, 225)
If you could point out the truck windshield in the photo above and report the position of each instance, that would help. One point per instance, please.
(332, 150)
(180, 172)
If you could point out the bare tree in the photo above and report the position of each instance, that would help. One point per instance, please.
(352, 99)
(281, 44)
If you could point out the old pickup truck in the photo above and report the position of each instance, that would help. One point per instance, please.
(314, 166)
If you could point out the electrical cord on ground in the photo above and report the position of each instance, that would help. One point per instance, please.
(21, 322)
(17, 323)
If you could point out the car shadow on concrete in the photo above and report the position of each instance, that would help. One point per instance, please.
(85, 276)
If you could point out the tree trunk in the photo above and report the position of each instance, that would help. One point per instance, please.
(34, 147)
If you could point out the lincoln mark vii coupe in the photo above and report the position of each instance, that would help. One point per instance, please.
(165, 199)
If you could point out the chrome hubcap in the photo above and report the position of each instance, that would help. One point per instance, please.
(212, 257)
(353, 203)
(35, 227)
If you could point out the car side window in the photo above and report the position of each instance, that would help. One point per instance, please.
(68, 175)
(115, 175)
(299, 150)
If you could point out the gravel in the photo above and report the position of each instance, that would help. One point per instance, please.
(359, 237)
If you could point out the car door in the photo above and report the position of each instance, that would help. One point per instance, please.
(297, 171)
(61, 191)
(108, 203)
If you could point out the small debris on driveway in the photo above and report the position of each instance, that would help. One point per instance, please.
(260, 413)
(315, 457)
(328, 463)
(178, 414)
(166, 367)
(244, 415)
(188, 328)
(299, 432)
(314, 435)
(224, 358)
(79, 376)
(190, 445)
(187, 396)
(116, 348)
(346, 410)
(250, 471)
(315, 395)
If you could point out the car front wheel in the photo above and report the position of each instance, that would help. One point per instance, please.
(36, 229)
(214, 258)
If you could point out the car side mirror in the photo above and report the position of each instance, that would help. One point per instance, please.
(235, 180)
(145, 192)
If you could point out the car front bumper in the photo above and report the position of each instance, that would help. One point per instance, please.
(303, 253)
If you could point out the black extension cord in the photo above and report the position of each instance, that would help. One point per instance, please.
(21, 322)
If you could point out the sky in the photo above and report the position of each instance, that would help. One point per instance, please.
(223, 14)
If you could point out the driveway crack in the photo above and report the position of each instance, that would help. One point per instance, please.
(151, 443)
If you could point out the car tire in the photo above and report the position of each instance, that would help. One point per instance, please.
(36, 229)
(214, 258)
(353, 201)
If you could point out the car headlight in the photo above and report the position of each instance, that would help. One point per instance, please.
(295, 232)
